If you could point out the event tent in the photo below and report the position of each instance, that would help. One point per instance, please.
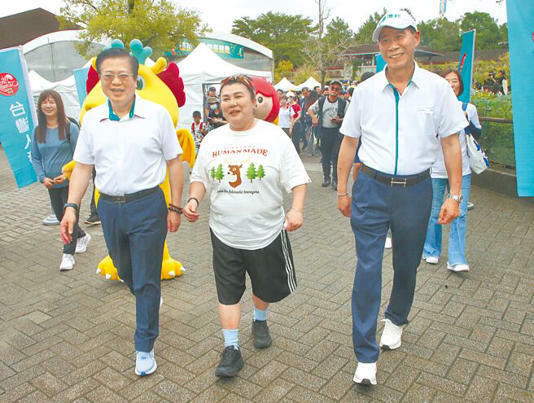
(310, 83)
(66, 88)
(285, 85)
(203, 68)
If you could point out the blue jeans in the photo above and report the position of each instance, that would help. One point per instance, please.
(135, 234)
(458, 226)
(375, 208)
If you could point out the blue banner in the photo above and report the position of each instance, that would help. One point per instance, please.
(17, 115)
(379, 62)
(521, 45)
(80, 77)
(465, 64)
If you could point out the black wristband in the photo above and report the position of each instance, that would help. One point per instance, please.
(73, 205)
(175, 209)
(195, 199)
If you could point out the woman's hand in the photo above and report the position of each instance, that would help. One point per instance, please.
(190, 210)
(294, 220)
(49, 183)
(59, 179)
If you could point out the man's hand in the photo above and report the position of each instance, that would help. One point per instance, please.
(294, 220)
(173, 221)
(49, 183)
(66, 226)
(450, 209)
(344, 205)
(315, 121)
(190, 211)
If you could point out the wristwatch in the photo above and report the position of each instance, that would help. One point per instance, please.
(73, 205)
(457, 198)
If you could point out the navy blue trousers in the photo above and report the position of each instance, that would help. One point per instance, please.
(135, 234)
(375, 208)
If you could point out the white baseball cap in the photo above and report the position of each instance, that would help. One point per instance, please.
(397, 19)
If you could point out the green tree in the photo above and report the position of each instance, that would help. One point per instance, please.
(212, 172)
(489, 35)
(261, 172)
(338, 33)
(219, 174)
(251, 172)
(284, 68)
(157, 23)
(365, 32)
(440, 34)
(284, 34)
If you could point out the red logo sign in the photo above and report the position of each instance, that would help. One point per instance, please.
(8, 84)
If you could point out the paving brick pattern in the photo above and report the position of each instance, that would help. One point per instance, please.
(69, 336)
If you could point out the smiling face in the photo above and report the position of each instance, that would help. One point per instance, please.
(118, 81)
(49, 108)
(397, 47)
(452, 79)
(237, 106)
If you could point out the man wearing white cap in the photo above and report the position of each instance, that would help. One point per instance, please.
(401, 114)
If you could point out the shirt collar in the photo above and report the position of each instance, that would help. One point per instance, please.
(416, 78)
(138, 109)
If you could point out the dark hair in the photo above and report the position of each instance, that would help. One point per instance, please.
(40, 130)
(366, 75)
(113, 53)
(240, 79)
(449, 71)
(350, 90)
(197, 114)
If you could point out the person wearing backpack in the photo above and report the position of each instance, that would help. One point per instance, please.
(456, 257)
(53, 146)
(327, 115)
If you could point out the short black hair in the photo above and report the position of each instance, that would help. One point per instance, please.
(112, 53)
(197, 113)
(445, 73)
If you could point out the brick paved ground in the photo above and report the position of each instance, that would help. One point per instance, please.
(68, 336)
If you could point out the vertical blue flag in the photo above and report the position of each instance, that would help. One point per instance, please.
(521, 44)
(465, 64)
(380, 63)
(17, 115)
(80, 77)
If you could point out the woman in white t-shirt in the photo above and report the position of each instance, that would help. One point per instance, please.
(456, 258)
(284, 115)
(245, 166)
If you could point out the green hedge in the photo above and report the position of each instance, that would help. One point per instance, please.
(497, 138)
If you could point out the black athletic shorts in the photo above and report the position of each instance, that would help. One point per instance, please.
(271, 270)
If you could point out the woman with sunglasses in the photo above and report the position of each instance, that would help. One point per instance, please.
(53, 145)
(245, 166)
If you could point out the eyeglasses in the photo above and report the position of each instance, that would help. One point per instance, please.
(108, 77)
(238, 78)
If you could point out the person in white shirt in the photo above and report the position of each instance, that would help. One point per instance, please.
(456, 257)
(245, 166)
(401, 114)
(284, 115)
(131, 142)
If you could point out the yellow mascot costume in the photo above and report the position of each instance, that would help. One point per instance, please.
(162, 84)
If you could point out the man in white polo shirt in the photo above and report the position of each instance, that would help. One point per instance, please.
(401, 114)
(131, 142)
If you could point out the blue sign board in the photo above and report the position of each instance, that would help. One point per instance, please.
(465, 64)
(17, 115)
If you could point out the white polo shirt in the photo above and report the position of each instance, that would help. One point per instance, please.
(400, 133)
(129, 154)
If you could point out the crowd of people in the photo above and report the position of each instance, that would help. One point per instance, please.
(402, 132)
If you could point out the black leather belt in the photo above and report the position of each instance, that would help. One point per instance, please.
(396, 180)
(129, 196)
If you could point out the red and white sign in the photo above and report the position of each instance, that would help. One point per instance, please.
(8, 84)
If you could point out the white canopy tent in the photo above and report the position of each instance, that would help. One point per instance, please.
(285, 85)
(310, 83)
(201, 68)
(66, 88)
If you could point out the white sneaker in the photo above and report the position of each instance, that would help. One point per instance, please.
(391, 335)
(82, 243)
(145, 363)
(388, 244)
(365, 374)
(458, 268)
(432, 259)
(67, 262)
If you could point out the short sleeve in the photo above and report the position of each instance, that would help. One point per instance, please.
(472, 115)
(74, 134)
(199, 173)
(452, 118)
(314, 107)
(84, 153)
(292, 171)
(351, 125)
(169, 140)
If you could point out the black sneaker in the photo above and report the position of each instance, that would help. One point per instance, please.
(93, 219)
(260, 332)
(326, 183)
(230, 364)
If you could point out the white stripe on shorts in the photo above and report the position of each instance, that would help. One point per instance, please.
(290, 270)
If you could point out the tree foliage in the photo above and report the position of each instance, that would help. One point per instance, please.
(284, 34)
(365, 32)
(489, 35)
(157, 23)
(284, 68)
(440, 34)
